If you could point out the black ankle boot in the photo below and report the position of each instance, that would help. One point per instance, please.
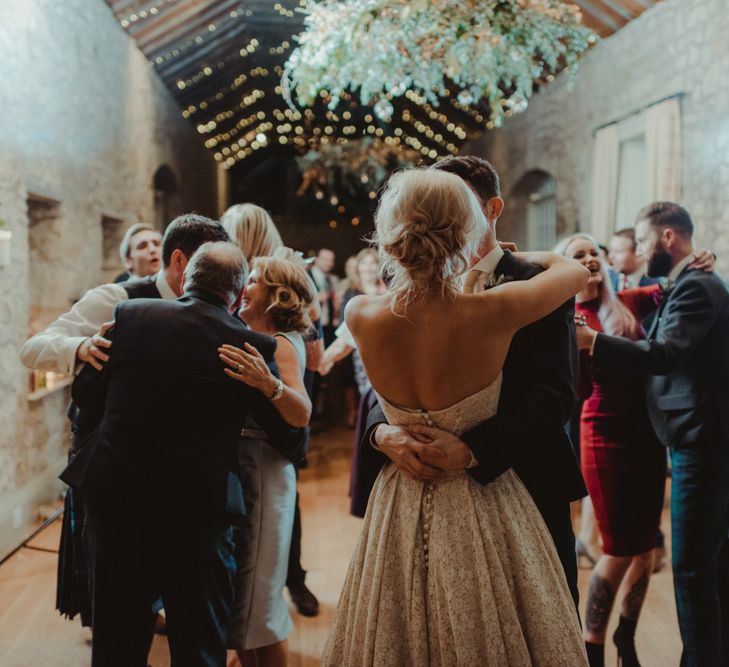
(595, 654)
(624, 639)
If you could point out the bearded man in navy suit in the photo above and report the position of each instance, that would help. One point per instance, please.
(686, 359)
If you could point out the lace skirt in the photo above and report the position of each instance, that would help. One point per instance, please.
(454, 573)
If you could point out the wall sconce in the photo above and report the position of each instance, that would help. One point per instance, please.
(5, 237)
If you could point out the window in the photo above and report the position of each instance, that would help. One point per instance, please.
(542, 216)
(47, 298)
(536, 201)
(112, 232)
(633, 190)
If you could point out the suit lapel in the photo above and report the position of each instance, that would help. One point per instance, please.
(662, 307)
(656, 320)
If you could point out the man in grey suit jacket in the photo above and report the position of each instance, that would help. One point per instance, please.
(686, 359)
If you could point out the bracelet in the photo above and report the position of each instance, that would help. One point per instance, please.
(277, 392)
(373, 441)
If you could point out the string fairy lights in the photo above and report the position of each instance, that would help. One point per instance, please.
(396, 104)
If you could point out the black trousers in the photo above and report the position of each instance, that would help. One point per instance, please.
(559, 522)
(296, 573)
(189, 566)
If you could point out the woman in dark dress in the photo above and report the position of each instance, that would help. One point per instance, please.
(622, 460)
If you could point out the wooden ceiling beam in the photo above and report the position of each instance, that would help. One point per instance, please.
(223, 38)
(636, 7)
(184, 17)
(618, 8)
(592, 11)
(183, 32)
(612, 9)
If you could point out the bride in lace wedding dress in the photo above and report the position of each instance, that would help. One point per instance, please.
(449, 572)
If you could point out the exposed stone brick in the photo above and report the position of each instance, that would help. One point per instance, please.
(84, 121)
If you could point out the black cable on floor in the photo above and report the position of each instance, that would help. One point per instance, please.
(40, 528)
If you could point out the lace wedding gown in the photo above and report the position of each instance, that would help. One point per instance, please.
(452, 572)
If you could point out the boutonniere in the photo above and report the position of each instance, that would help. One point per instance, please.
(666, 287)
(495, 281)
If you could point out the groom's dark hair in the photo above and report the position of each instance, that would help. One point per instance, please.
(187, 233)
(477, 172)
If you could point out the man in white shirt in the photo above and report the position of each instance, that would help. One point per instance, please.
(140, 251)
(75, 337)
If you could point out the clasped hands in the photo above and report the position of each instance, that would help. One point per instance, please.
(422, 452)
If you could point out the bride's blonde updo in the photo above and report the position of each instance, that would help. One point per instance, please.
(428, 225)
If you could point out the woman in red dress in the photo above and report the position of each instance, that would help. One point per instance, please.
(622, 460)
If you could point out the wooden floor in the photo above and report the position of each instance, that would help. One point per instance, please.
(32, 632)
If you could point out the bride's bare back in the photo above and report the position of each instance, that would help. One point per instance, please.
(448, 347)
(437, 355)
(425, 345)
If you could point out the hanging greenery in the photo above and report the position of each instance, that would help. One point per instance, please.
(492, 50)
(356, 169)
(340, 181)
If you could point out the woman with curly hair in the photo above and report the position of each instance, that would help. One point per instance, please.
(276, 301)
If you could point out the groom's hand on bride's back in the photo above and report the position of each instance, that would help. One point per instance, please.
(407, 452)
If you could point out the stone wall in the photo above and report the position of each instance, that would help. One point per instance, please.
(84, 125)
(676, 48)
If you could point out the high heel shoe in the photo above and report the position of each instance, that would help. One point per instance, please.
(582, 551)
(625, 644)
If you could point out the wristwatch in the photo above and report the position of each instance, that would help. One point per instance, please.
(277, 392)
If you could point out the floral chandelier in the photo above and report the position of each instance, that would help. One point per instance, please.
(357, 168)
(491, 50)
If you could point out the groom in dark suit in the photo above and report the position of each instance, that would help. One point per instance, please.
(528, 432)
(686, 357)
(161, 481)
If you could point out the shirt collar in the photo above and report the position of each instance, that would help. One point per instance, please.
(636, 277)
(490, 261)
(165, 291)
(678, 269)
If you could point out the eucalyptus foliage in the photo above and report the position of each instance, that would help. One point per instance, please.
(492, 50)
